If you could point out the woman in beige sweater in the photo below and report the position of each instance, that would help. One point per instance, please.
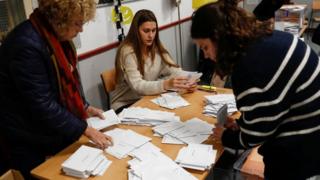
(143, 65)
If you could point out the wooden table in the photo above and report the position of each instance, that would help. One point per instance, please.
(51, 169)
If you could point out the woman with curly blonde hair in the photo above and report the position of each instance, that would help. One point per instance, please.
(43, 109)
(276, 80)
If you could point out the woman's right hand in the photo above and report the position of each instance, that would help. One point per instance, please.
(101, 140)
(179, 82)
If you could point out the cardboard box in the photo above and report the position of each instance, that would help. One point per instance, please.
(12, 175)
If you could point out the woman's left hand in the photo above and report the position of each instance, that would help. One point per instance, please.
(193, 87)
(93, 111)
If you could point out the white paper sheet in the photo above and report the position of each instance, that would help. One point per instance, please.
(110, 119)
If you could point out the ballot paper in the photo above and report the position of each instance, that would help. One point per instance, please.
(145, 116)
(194, 130)
(215, 102)
(150, 163)
(110, 119)
(167, 139)
(196, 156)
(145, 152)
(167, 127)
(124, 141)
(86, 161)
(222, 114)
(192, 76)
(171, 100)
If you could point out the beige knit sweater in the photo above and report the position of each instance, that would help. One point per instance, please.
(133, 85)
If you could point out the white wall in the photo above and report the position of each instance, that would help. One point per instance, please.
(102, 30)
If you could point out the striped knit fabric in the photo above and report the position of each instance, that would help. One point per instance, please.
(277, 88)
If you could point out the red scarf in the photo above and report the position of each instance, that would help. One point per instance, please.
(65, 60)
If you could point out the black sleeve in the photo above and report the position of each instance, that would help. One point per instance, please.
(266, 9)
(29, 70)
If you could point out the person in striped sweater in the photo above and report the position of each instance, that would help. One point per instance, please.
(276, 82)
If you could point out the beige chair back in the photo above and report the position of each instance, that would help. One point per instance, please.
(108, 78)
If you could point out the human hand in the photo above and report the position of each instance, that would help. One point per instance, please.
(179, 82)
(231, 123)
(101, 140)
(93, 111)
(193, 87)
(217, 134)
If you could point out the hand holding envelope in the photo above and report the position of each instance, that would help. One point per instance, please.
(186, 81)
(194, 77)
(222, 115)
(224, 121)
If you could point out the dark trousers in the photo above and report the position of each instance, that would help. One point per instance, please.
(25, 159)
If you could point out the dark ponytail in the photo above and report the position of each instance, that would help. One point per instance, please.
(230, 27)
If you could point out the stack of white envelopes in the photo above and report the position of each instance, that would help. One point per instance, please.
(125, 141)
(215, 102)
(197, 156)
(170, 100)
(194, 130)
(145, 116)
(86, 161)
(150, 163)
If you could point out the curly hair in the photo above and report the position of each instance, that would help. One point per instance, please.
(230, 27)
(133, 39)
(62, 12)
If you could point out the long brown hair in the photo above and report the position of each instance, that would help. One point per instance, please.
(133, 40)
(230, 27)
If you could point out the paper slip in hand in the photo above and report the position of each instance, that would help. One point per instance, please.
(222, 114)
(192, 76)
(110, 119)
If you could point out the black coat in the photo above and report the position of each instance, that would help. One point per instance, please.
(266, 8)
(31, 115)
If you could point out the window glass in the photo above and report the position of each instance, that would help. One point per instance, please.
(11, 14)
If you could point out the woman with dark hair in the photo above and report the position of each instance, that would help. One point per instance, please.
(143, 65)
(43, 109)
(276, 80)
